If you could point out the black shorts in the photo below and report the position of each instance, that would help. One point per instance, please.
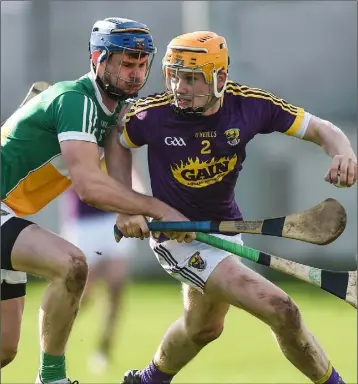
(12, 291)
(13, 283)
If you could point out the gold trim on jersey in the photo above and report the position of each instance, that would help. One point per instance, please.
(245, 91)
(146, 103)
(149, 99)
(140, 106)
(296, 125)
(128, 140)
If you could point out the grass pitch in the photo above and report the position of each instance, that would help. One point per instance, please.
(245, 353)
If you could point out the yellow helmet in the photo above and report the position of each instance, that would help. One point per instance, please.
(200, 51)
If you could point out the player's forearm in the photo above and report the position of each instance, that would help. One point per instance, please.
(103, 192)
(118, 160)
(120, 168)
(334, 141)
(329, 137)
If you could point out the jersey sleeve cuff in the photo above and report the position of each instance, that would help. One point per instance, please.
(126, 141)
(299, 126)
(74, 135)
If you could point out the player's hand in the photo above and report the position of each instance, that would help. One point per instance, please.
(343, 171)
(174, 215)
(133, 226)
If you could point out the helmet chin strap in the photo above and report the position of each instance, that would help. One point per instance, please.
(217, 93)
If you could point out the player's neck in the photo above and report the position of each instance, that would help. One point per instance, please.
(108, 102)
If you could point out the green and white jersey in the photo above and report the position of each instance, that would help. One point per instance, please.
(32, 169)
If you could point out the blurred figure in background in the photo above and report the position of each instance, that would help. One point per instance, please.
(91, 230)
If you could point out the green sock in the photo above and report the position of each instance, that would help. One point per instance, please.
(52, 367)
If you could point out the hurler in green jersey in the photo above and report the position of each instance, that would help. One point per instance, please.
(53, 140)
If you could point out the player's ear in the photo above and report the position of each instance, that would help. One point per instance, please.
(222, 76)
(95, 56)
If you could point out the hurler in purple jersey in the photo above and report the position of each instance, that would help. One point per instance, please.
(196, 133)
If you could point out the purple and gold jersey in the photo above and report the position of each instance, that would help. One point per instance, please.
(194, 162)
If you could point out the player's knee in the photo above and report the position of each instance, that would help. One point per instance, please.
(8, 354)
(286, 315)
(72, 270)
(70, 266)
(77, 271)
(205, 335)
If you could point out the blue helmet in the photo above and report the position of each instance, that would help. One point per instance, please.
(119, 35)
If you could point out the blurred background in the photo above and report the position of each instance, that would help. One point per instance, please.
(305, 52)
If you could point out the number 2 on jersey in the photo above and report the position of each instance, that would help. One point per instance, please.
(206, 147)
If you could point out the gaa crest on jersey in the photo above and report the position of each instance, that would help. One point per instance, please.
(197, 262)
(233, 136)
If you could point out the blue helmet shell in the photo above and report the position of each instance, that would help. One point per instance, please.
(118, 34)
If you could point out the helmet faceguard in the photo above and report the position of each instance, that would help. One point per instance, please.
(128, 37)
(191, 55)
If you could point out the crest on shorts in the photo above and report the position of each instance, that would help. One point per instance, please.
(4, 213)
(233, 136)
(197, 262)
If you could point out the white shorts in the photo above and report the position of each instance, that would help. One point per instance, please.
(6, 213)
(94, 236)
(10, 277)
(13, 277)
(191, 263)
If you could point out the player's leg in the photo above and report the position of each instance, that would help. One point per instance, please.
(34, 250)
(201, 323)
(94, 273)
(98, 362)
(113, 273)
(228, 280)
(12, 306)
(13, 291)
(233, 282)
(203, 318)
(109, 259)
(115, 278)
(107, 262)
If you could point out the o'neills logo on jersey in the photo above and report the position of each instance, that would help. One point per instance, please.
(205, 134)
(199, 174)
